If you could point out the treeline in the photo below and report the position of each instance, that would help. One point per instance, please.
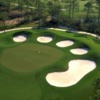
(96, 90)
(53, 13)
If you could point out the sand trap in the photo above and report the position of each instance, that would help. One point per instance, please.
(77, 70)
(65, 43)
(44, 39)
(20, 38)
(79, 51)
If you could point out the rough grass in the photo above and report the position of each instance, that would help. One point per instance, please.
(33, 86)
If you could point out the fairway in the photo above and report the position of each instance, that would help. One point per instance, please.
(61, 68)
(30, 56)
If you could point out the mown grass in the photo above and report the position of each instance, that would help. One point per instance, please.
(28, 57)
(33, 85)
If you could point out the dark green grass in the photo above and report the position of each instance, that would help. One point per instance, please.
(32, 85)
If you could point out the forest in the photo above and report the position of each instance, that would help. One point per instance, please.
(82, 15)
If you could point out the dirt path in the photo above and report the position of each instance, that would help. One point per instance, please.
(59, 29)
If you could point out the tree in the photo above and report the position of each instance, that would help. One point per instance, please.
(38, 10)
(98, 4)
(8, 5)
(20, 8)
(3, 6)
(27, 7)
(88, 9)
(54, 10)
(70, 7)
(58, 9)
(96, 92)
(4, 17)
(74, 6)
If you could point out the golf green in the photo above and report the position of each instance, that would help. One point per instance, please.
(27, 57)
(25, 65)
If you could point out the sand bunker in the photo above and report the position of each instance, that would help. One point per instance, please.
(78, 51)
(77, 70)
(20, 38)
(44, 39)
(65, 43)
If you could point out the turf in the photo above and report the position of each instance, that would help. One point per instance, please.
(31, 85)
(30, 56)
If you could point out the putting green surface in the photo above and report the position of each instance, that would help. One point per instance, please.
(27, 57)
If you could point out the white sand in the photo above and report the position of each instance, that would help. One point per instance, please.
(64, 43)
(20, 38)
(77, 70)
(79, 51)
(44, 39)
